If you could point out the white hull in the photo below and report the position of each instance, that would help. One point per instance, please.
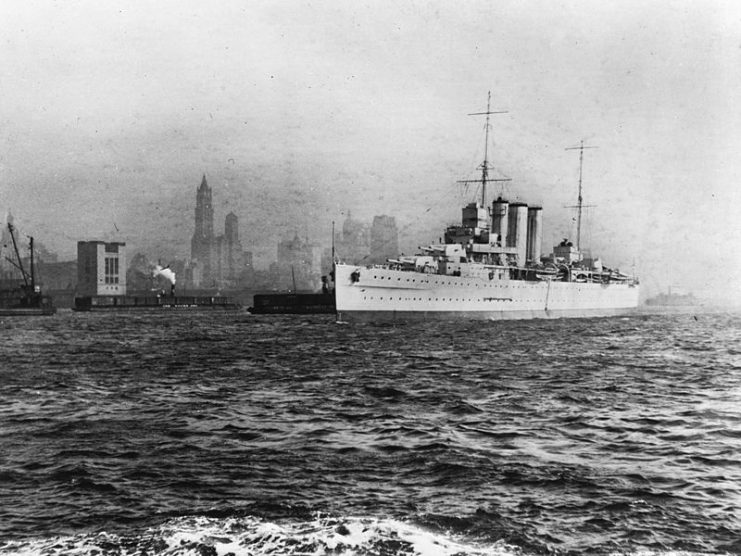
(384, 293)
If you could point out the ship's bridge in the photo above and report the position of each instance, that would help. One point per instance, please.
(567, 252)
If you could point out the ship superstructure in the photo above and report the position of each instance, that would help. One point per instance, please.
(490, 266)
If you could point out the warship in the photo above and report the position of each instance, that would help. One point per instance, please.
(488, 267)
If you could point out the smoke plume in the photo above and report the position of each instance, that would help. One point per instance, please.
(165, 273)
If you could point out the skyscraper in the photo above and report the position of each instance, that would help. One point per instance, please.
(202, 244)
(300, 263)
(384, 239)
(354, 244)
(216, 261)
(230, 257)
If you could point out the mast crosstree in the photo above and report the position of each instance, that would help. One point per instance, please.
(485, 166)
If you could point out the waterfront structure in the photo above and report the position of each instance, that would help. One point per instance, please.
(8, 270)
(6, 240)
(25, 298)
(8, 266)
(101, 268)
(101, 284)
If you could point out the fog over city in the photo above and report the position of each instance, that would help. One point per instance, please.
(298, 112)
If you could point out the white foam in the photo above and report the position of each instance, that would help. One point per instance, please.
(251, 536)
(664, 553)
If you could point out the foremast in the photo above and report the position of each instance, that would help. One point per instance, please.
(485, 165)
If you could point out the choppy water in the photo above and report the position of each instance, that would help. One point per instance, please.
(230, 433)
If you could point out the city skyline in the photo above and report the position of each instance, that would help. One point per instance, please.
(218, 261)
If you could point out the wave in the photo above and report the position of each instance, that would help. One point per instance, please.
(252, 536)
(117, 428)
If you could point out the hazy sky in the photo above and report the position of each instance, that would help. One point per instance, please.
(298, 111)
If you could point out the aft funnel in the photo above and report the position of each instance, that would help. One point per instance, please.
(534, 233)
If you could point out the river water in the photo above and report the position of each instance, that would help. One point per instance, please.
(181, 433)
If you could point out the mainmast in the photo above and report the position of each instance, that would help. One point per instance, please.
(579, 205)
(485, 166)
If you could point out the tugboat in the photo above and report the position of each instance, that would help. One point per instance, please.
(25, 298)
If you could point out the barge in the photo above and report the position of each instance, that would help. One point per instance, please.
(159, 303)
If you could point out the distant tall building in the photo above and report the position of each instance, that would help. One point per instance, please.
(101, 268)
(216, 261)
(354, 245)
(231, 228)
(384, 239)
(230, 257)
(202, 244)
(298, 261)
